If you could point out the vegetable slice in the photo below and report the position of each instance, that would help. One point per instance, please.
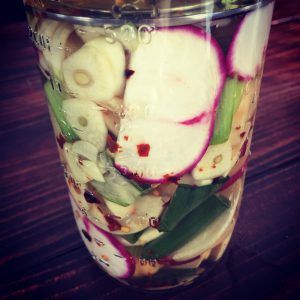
(117, 189)
(207, 238)
(86, 120)
(216, 162)
(191, 225)
(96, 71)
(155, 151)
(228, 105)
(182, 65)
(55, 102)
(245, 56)
(185, 200)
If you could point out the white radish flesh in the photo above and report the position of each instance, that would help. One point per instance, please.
(106, 250)
(216, 162)
(245, 56)
(156, 150)
(87, 121)
(110, 254)
(82, 225)
(178, 76)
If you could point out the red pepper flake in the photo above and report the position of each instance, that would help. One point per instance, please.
(171, 178)
(242, 134)
(213, 166)
(128, 73)
(244, 148)
(238, 127)
(143, 150)
(153, 222)
(72, 182)
(60, 141)
(112, 145)
(113, 224)
(80, 161)
(126, 137)
(200, 169)
(166, 204)
(90, 198)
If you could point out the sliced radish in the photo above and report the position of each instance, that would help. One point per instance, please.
(154, 150)
(177, 77)
(111, 255)
(82, 225)
(215, 163)
(87, 121)
(245, 56)
(107, 251)
(207, 238)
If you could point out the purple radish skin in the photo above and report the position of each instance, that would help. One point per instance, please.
(163, 168)
(247, 49)
(116, 252)
(185, 127)
(174, 74)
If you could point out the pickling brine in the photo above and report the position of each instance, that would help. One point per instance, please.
(153, 106)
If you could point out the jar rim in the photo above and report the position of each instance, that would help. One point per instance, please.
(172, 16)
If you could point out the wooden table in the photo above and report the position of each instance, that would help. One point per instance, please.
(41, 253)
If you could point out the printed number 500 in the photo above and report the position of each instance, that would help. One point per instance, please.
(128, 33)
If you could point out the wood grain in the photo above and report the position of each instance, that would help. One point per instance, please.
(41, 254)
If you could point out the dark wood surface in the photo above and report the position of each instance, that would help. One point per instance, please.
(41, 254)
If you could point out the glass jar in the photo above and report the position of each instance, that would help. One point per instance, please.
(152, 104)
